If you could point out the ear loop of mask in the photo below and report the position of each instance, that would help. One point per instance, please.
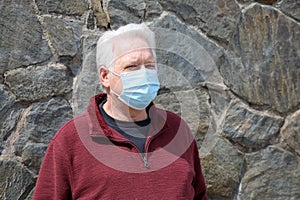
(114, 73)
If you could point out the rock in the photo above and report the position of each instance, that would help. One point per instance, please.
(291, 8)
(269, 75)
(249, 128)
(220, 98)
(21, 36)
(290, 133)
(65, 7)
(102, 20)
(64, 35)
(9, 115)
(191, 104)
(37, 126)
(38, 82)
(15, 180)
(222, 167)
(6, 99)
(245, 1)
(153, 9)
(32, 155)
(267, 2)
(183, 54)
(124, 12)
(87, 83)
(216, 18)
(271, 174)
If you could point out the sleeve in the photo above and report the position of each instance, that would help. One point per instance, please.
(199, 181)
(53, 181)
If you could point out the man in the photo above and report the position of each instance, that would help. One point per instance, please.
(123, 147)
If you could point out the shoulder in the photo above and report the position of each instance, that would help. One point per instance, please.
(174, 120)
(68, 133)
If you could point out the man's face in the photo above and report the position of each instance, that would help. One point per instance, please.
(131, 59)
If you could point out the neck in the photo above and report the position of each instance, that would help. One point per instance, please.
(120, 111)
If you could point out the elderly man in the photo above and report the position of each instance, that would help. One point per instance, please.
(123, 147)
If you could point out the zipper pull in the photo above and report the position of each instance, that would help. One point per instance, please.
(146, 162)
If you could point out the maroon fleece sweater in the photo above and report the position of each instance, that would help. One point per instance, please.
(86, 160)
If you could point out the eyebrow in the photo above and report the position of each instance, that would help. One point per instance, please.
(137, 61)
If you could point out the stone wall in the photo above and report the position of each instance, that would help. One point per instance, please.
(231, 69)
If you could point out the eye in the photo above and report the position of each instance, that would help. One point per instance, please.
(150, 66)
(131, 67)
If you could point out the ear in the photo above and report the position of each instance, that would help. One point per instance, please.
(103, 76)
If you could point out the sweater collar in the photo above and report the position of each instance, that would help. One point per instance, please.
(98, 127)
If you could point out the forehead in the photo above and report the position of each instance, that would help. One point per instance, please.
(136, 56)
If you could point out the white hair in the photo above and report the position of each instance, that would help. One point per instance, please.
(105, 54)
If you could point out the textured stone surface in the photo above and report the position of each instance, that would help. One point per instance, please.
(74, 7)
(191, 104)
(263, 60)
(100, 15)
(291, 8)
(9, 114)
(15, 181)
(290, 133)
(229, 68)
(124, 12)
(222, 170)
(37, 126)
(87, 83)
(248, 128)
(127, 11)
(216, 18)
(184, 54)
(21, 36)
(64, 35)
(39, 82)
(272, 174)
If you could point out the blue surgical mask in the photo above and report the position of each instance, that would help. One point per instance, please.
(139, 87)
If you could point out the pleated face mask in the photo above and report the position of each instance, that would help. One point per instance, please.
(139, 87)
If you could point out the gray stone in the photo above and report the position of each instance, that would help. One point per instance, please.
(222, 167)
(21, 36)
(290, 133)
(271, 174)
(87, 83)
(220, 98)
(37, 82)
(191, 104)
(8, 123)
(216, 18)
(64, 35)
(291, 8)
(245, 1)
(6, 99)
(37, 126)
(153, 9)
(184, 54)
(15, 180)
(65, 7)
(9, 115)
(30, 195)
(262, 64)
(267, 2)
(126, 11)
(249, 128)
(32, 155)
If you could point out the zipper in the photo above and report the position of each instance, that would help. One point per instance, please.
(147, 144)
(143, 155)
(146, 163)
